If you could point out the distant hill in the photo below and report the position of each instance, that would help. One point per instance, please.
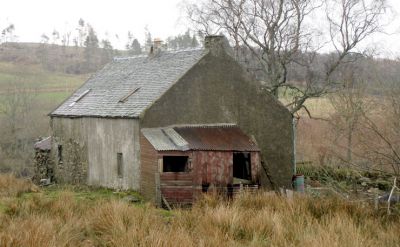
(57, 58)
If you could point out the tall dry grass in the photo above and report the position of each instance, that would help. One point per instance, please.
(11, 186)
(250, 220)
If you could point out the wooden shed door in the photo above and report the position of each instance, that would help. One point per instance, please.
(176, 180)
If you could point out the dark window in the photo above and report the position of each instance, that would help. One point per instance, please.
(242, 165)
(175, 163)
(59, 153)
(120, 168)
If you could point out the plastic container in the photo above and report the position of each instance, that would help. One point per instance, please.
(298, 183)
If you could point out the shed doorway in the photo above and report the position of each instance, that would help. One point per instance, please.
(242, 165)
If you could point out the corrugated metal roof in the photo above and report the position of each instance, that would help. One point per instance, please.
(138, 80)
(44, 144)
(176, 139)
(220, 137)
(165, 140)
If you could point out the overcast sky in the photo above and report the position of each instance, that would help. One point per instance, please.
(32, 18)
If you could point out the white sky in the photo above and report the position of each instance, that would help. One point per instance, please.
(32, 18)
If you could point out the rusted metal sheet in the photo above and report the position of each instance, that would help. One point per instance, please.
(217, 138)
(215, 167)
(178, 195)
(255, 166)
(200, 137)
(177, 187)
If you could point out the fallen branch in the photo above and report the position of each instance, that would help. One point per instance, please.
(391, 193)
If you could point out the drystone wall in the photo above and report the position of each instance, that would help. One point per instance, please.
(43, 166)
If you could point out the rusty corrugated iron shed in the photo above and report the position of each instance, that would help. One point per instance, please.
(219, 137)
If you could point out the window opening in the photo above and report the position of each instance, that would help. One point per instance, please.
(119, 165)
(242, 165)
(60, 154)
(175, 164)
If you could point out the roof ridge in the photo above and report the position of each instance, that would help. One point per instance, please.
(121, 58)
(212, 125)
(128, 57)
(187, 49)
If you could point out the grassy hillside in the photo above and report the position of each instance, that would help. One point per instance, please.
(30, 216)
(44, 88)
(17, 77)
(28, 93)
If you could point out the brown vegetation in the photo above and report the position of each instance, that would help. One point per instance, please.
(63, 219)
(11, 186)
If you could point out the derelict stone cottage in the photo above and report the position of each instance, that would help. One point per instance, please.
(99, 133)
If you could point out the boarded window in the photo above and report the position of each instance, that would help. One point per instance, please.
(60, 154)
(175, 164)
(242, 165)
(120, 168)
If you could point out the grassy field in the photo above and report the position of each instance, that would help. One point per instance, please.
(73, 216)
(35, 78)
(47, 89)
(33, 91)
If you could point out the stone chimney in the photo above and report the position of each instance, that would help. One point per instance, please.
(157, 44)
(217, 44)
(156, 47)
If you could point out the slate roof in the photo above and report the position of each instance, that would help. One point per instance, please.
(44, 145)
(216, 137)
(127, 86)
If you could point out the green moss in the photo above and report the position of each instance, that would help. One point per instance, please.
(3, 208)
(88, 193)
(166, 213)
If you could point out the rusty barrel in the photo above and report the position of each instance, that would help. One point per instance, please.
(298, 183)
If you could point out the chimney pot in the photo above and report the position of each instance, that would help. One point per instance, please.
(156, 47)
(157, 44)
(217, 44)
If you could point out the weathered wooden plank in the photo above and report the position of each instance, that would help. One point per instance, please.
(176, 183)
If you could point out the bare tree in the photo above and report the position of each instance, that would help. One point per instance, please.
(82, 33)
(277, 35)
(381, 135)
(7, 34)
(55, 36)
(65, 38)
(350, 104)
(15, 110)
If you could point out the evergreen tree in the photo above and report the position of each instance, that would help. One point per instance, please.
(79, 41)
(107, 51)
(91, 49)
(148, 40)
(182, 41)
(135, 48)
(91, 40)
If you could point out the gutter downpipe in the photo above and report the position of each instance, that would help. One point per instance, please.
(294, 145)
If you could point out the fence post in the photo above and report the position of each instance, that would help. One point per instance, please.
(158, 189)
